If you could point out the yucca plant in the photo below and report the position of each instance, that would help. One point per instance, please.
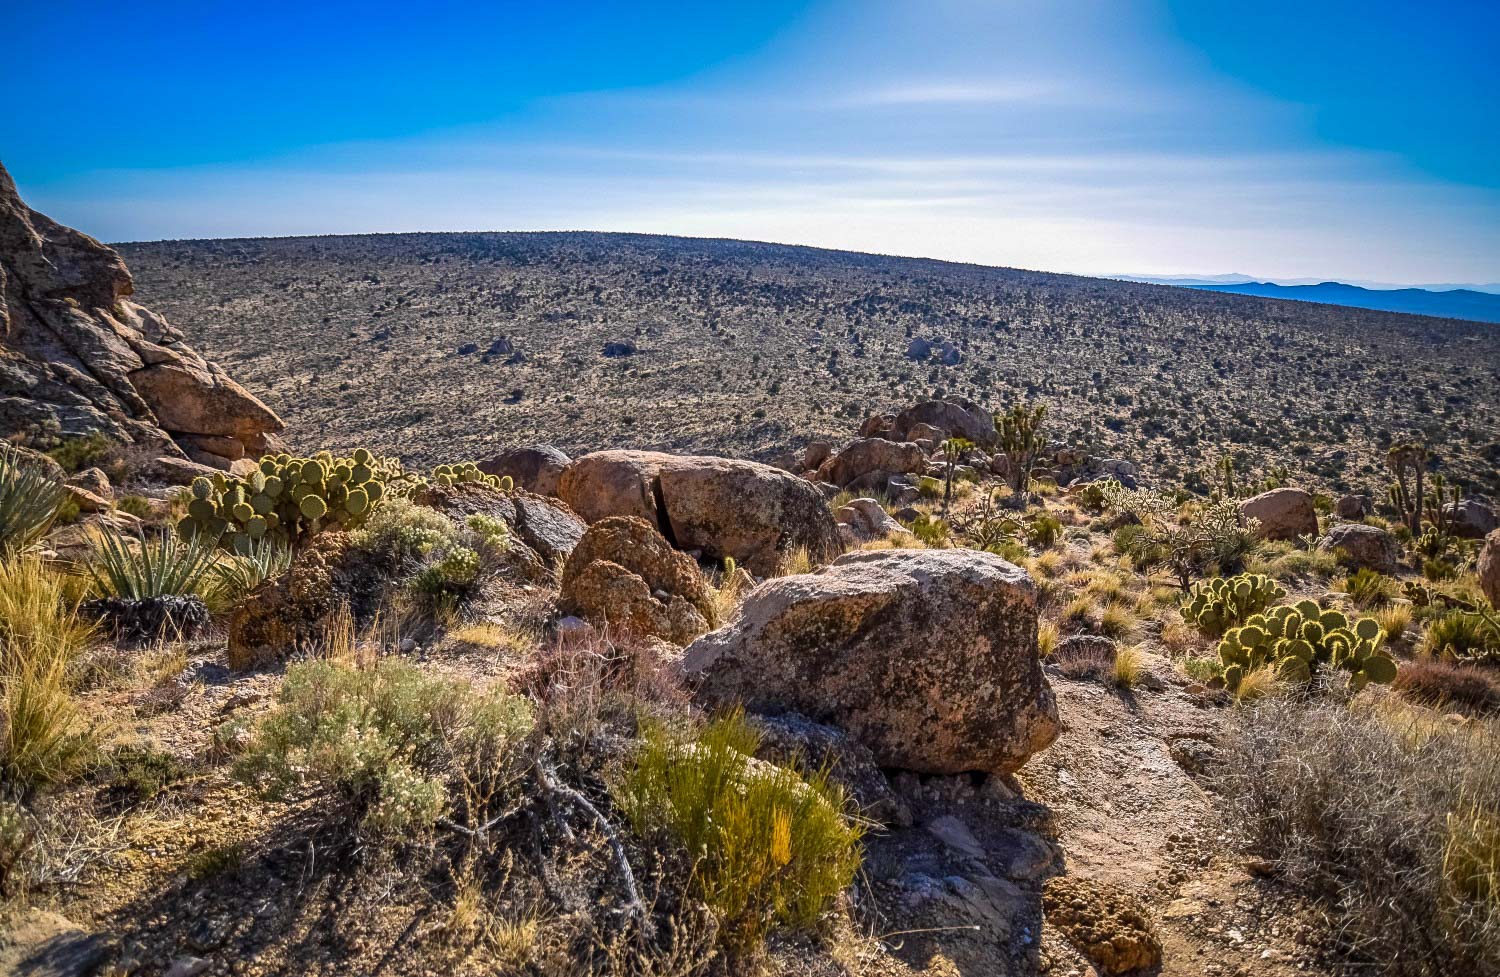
(232, 576)
(162, 566)
(29, 501)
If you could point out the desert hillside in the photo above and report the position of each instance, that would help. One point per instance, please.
(434, 346)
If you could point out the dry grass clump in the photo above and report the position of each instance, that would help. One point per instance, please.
(1259, 683)
(1394, 621)
(43, 731)
(1386, 817)
(1448, 684)
(1046, 638)
(794, 561)
(772, 848)
(1118, 621)
(1130, 665)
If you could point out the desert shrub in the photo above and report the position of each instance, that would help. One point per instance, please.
(930, 530)
(449, 577)
(140, 773)
(386, 741)
(161, 565)
(1093, 496)
(44, 734)
(1202, 668)
(1367, 588)
(1042, 531)
(1385, 817)
(1443, 684)
(1462, 636)
(1394, 620)
(87, 451)
(30, 500)
(1214, 606)
(1438, 569)
(403, 531)
(1130, 665)
(135, 505)
(773, 848)
(493, 533)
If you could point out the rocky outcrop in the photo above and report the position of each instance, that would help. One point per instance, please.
(862, 520)
(1352, 506)
(1358, 545)
(1488, 568)
(955, 418)
(867, 456)
(77, 357)
(623, 575)
(927, 657)
(1284, 513)
(535, 468)
(719, 507)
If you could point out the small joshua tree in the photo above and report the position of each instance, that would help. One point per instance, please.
(1021, 439)
(1408, 459)
(953, 452)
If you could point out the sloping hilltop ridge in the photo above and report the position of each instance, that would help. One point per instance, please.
(440, 345)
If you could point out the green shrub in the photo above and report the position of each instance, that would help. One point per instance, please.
(141, 773)
(451, 576)
(30, 501)
(1367, 587)
(233, 575)
(160, 566)
(930, 530)
(772, 848)
(403, 531)
(135, 505)
(1093, 497)
(492, 532)
(1042, 531)
(389, 742)
(76, 454)
(1462, 636)
(1214, 606)
(1299, 640)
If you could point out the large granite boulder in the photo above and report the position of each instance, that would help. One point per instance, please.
(927, 657)
(624, 575)
(868, 455)
(1470, 518)
(957, 418)
(1284, 513)
(1488, 568)
(77, 357)
(1361, 546)
(718, 506)
(535, 468)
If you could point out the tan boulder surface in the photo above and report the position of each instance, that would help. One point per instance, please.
(1489, 568)
(954, 418)
(869, 455)
(1105, 922)
(1284, 513)
(77, 357)
(927, 657)
(721, 507)
(623, 574)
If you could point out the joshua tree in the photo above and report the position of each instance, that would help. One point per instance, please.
(1020, 434)
(953, 452)
(1408, 458)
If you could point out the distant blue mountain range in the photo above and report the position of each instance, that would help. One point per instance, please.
(1451, 303)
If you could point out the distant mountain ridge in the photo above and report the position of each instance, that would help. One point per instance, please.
(1453, 303)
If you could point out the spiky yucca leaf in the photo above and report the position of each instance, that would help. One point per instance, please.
(29, 501)
(162, 566)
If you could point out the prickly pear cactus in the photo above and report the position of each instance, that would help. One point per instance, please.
(287, 498)
(450, 475)
(1214, 606)
(1299, 640)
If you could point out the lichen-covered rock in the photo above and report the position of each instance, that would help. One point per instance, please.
(1105, 923)
(720, 507)
(927, 657)
(1352, 506)
(623, 604)
(791, 740)
(1284, 513)
(1359, 545)
(868, 455)
(536, 468)
(865, 520)
(645, 587)
(291, 613)
(1488, 568)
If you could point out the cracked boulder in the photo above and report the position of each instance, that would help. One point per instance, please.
(719, 507)
(624, 576)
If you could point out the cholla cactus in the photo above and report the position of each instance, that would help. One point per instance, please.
(286, 498)
(1214, 606)
(1298, 640)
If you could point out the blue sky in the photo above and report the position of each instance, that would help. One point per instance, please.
(1326, 139)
